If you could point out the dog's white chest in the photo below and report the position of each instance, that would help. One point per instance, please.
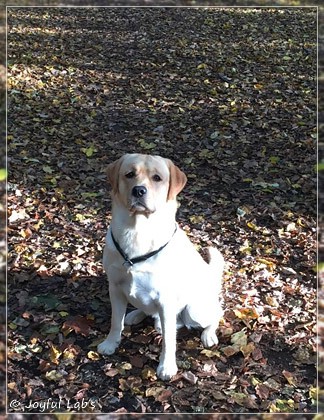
(140, 291)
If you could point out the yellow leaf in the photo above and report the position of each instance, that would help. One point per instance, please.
(37, 225)
(53, 375)
(66, 331)
(126, 366)
(272, 301)
(252, 226)
(149, 373)
(89, 151)
(313, 393)
(210, 353)
(3, 174)
(300, 222)
(196, 219)
(26, 233)
(190, 344)
(271, 265)
(255, 381)
(248, 349)
(93, 355)
(282, 406)
(153, 391)
(79, 217)
(246, 247)
(145, 145)
(246, 313)
(202, 66)
(47, 169)
(69, 353)
(55, 354)
(35, 348)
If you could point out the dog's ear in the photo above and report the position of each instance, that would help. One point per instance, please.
(177, 180)
(113, 173)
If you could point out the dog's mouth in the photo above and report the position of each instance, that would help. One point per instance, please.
(140, 206)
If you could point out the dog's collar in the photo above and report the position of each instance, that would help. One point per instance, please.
(143, 257)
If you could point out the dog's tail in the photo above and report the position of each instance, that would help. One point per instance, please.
(217, 266)
(216, 260)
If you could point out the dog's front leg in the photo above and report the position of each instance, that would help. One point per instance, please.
(118, 308)
(168, 365)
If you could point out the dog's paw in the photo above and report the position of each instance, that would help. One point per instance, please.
(107, 347)
(209, 337)
(165, 371)
(135, 317)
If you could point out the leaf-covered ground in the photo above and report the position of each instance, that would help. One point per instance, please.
(2, 210)
(230, 96)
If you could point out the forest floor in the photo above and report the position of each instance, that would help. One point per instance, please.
(230, 96)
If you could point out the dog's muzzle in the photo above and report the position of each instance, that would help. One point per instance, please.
(140, 200)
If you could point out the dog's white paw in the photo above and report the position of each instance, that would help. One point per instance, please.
(135, 317)
(165, 371)
(209, 337)
(108, 346)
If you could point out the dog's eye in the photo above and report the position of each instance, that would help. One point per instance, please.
(157, 178)
(130, 174)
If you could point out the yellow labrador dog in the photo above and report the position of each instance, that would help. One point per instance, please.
(150, 261)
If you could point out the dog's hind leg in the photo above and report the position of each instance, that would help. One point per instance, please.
(135, 317)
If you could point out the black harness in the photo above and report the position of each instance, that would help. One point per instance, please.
(142, 257)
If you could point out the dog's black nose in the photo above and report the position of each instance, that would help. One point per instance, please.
(139, 191)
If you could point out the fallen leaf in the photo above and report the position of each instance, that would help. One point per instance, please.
(54, 375)
(292, 380)
(149, 373)
(262, 391)
(189, 377)
(78, 324)
(239, 338)
(55, 354)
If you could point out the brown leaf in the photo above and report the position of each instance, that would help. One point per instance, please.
(292, 380)
(158, 393)
(137, 361)
(190, 377)
(262, 391)
(230, 350)
(257, 354)
(78, 324)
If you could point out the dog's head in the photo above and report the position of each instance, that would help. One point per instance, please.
(143, 183)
